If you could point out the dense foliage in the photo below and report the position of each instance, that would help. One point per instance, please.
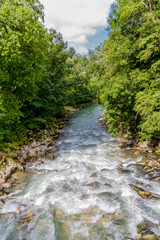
(126, 68)
(38, 74)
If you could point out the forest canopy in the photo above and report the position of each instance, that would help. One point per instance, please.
(39, 74)
(127, 68)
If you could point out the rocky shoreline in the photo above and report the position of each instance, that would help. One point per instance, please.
(151, 159)
(150, 162)
(148, 147)
(40, 147)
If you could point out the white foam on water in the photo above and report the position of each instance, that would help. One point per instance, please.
(87, 148)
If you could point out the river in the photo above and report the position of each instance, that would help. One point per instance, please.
(81, 194)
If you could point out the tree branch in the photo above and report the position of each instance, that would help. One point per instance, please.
(145, 4)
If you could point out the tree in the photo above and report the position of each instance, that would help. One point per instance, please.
(51, 97)
(23, 42)
(128, 82)
(79, 90)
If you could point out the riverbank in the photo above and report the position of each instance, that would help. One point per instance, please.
(92, 189)
(39, 147)
(149, 150)
(150, 147)
(146, 156)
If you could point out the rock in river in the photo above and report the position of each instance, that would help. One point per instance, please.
(93, 184)
(59, 213)
(19, 176)
(145, 194)
(85, 196)
(93, 175)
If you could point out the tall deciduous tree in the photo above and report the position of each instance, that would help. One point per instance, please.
(39, 75)
(129, 82)
(23, 42)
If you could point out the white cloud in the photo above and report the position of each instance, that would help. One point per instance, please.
(81, 50)
(76, 19)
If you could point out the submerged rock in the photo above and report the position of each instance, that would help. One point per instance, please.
(105, 219)
(29, 214)
(150, 174)
(27, 218)
(146, 230)
(139, 183)
(150, 237)
(18, 210)
(104, 170)
(85, 196)
(84, 212)
(107, 194)
(156, 178)
(128, 239)
(124, 171)
(107, 185)
(119, 166)
(145, 194)
(59, 213)
(19, 175)
(116, 217)
(63, 231)
(93, 184)
(111, 217)
(93, 175)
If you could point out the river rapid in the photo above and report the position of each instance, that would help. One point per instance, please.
(82, 194)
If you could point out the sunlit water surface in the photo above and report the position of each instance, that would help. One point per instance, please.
(112, 209)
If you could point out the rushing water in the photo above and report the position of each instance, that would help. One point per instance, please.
(95, 206)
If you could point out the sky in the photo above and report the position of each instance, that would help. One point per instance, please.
(81, 22)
